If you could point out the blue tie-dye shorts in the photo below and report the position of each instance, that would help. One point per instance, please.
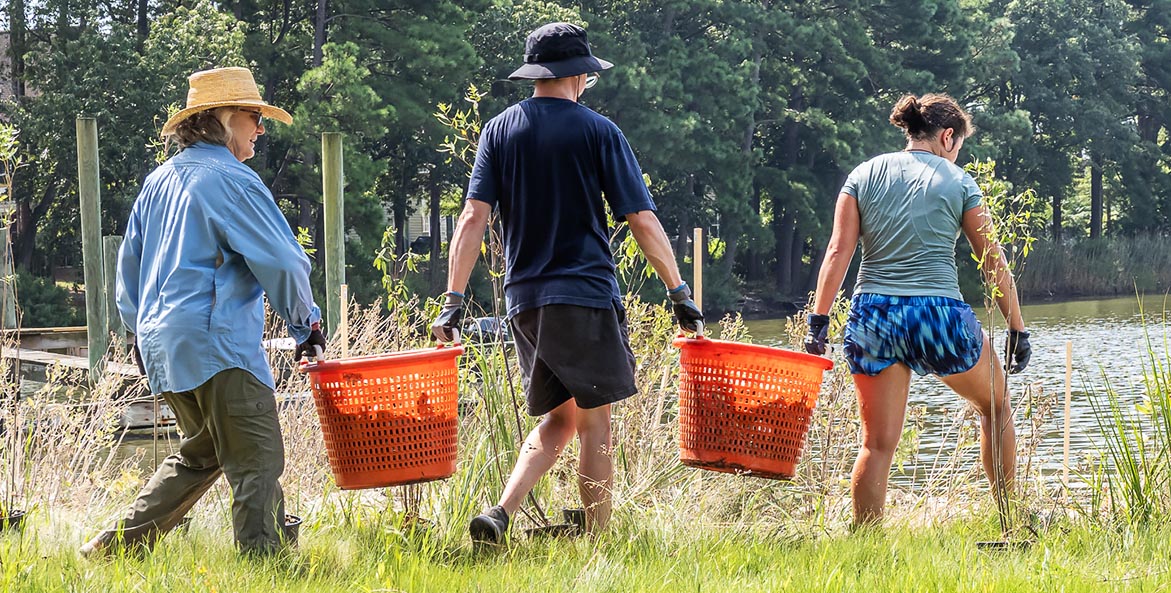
(932, 335)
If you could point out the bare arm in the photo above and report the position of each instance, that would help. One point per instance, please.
(842, 244)
(648, 233)
(465, 245)
(977, 225)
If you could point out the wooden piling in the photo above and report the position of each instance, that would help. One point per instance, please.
(1068, 415)
(89, 190)
(333, 179)
(110, 245)
(697, 261)
(7, 267)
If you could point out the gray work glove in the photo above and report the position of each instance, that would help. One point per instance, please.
(818, 334)
(446, 325)
(1018, 351)
(686, 311)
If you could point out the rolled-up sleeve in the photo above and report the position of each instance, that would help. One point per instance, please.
(259, 232)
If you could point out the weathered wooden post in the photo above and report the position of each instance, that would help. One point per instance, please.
(697, 266)
(89, 190)
(333, 178)
(7, 269)
(110, 245)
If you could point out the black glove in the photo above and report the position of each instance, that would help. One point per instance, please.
(450, 317)
(687, 313)
(1017, 350)
(313, 346)
(818, 334)
(138, 360)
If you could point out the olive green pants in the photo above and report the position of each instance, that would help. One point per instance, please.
(229, 426)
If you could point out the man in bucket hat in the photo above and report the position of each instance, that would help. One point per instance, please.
(204, 244)
(551, 165)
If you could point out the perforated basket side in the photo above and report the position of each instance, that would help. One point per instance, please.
(745, 409)
(389, 425)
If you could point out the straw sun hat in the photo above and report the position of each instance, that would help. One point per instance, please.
(224, 87)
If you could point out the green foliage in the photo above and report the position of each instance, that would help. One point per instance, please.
(463, 140)
(1094, 267)
(1010, 225)
(42, 303)
(11, 157)
(746, 114)
(395, 271)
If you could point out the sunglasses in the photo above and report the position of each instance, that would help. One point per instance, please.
(259, 116)
(592, 79)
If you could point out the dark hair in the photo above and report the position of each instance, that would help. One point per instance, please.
(921, 117)
(206, 126)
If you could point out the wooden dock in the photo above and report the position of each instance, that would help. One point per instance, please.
(36, 361)
(68, 340)
(35, 366)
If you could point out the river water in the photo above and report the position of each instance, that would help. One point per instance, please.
(1109, 337)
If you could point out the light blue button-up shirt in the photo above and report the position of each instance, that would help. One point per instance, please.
(204, 243)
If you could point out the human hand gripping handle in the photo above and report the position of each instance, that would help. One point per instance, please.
(313, 347)
(818, 334)
(1018, 351)
(445, 328)
(687, 313)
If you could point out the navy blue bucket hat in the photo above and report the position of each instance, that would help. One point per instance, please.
(558, 50)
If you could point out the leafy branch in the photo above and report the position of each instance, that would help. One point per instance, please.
(463, 141)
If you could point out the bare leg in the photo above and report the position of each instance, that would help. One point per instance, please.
(977, 385)
(538, 454)
(595, 467)
(882, 402)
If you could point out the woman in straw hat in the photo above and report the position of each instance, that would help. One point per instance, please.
(204, 243)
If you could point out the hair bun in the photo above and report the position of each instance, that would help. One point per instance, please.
(908, 115)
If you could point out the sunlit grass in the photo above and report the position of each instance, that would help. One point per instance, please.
(675, 529)
(640, 553)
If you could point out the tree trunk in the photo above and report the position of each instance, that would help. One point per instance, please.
(814, 269)
(313, 219)
(24, 227)
(319, 33)
(796, 252)
(143, 22)
(1056, 228)
(16, 46)
(783, 229)
(1095, 199)
(754, 268)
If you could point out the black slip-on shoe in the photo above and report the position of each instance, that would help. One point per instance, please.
(490, 526)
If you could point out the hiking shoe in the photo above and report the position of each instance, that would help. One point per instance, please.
(490, 526)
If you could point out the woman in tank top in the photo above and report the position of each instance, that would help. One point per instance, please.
(908, 208)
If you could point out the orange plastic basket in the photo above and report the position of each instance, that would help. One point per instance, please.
(745, 408)
(388, 419)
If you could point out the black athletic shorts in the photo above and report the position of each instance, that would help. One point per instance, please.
(572, 352)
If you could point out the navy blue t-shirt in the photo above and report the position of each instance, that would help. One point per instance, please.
(547, 163)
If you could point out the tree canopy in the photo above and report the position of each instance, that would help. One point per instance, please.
(746, 115)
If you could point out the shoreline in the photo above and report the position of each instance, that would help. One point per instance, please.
(757, 309)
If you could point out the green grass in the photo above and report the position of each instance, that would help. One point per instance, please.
(637, 555)
(675, 529)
